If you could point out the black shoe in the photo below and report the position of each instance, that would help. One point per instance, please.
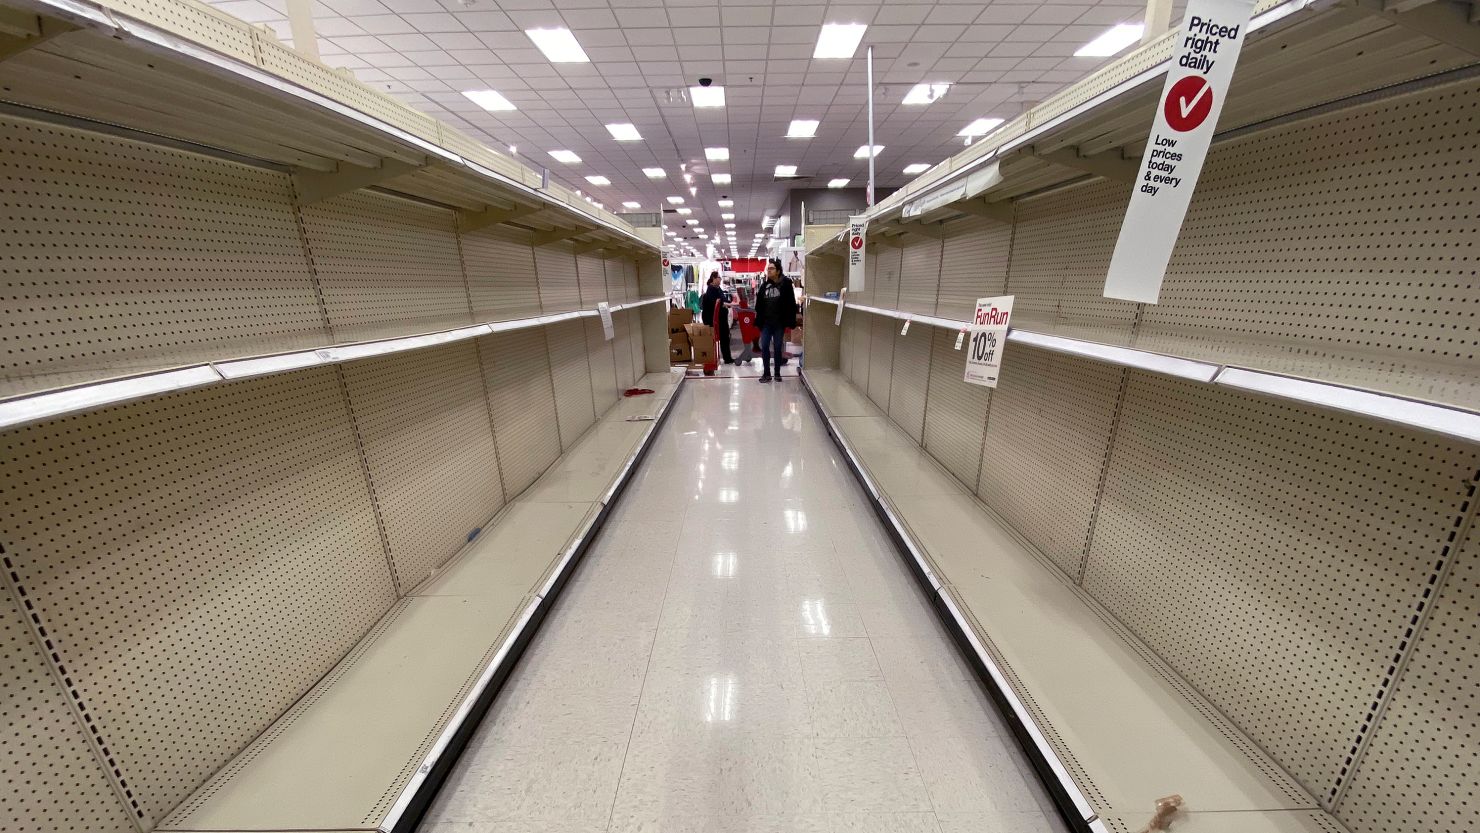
(765, 378)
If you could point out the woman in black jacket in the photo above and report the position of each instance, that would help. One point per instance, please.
(714, 312)
(775, 313)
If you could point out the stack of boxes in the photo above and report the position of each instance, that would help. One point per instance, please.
(689, 343)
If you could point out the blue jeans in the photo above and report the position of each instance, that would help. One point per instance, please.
(773, 347)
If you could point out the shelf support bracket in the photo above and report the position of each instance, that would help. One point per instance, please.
(21, 32)
(592, 246)
(1110, 165)
(1448, 23)
(999, 211)
(555, 235)
(474, 220)
(317, 186)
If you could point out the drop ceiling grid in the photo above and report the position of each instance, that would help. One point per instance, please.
(200, 560)
(1272, 554)
(425, 428)
(426, 53)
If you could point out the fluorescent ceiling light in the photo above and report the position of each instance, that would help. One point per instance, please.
(1114, 40)
(598, 180)
(925, 93)
(675, 200)
(692, 222)
(720, 179)
(630, 204)
(862, 152)
(491, 101)
(766, 222)
(707, 96)
(839, 40)
(802, 129)
(559, 45)
(655, 173)
(685, 211)
(565, 156)
(980, 127)
(785, 171)
(917, 168)
(727, 216)
(717, 154)
(693, 192)
(726, 203)
(624, 132)
(838, 183)
(729, 225)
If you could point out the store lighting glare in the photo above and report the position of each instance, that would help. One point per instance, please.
(802, 129)
(491, 101)
(693, 192)
(727, 216)
(624, 132)
(630, 204)
(598, 180)
(1112, 42)
(692, 222)
(675, 200)
(559, 45)
(767, 222)
(980, 127)
(917, 168)
(783, 171)
(838, 183)
(726, 203)
(684, 212)
(720, 179)
(564, 156)
(862, 152)
(655, 173)
(839, 40)
(729, 225)
(717, 154)
(707, 96)
(925, 93)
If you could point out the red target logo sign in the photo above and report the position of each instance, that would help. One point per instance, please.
(1188, 103)
(856, 241)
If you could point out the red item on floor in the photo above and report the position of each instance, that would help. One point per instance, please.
(636, 391)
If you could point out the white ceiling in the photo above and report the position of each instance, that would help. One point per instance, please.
(1001, 55)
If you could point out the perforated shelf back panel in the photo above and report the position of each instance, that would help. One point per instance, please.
(521, 395)
(1419, 770)
(919, 276)
(881, 357)
(572, 375)
(388, 266)
(626, 371)
(911, 375)
(617, 288)
(119, 257)
(973, 265)
(200, 560)
(602, 359)
(1044, 450)
(1345, 240)
(858, 330)
(424, 424)
(956, 412)
(883, 281)
(1061, 246)
(53, 781)
(501, 274)
(591, 274)
(1272, 554)
(559, 288)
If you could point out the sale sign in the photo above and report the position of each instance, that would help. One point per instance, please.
(988, 334)
(857, 230)
(1207, 48)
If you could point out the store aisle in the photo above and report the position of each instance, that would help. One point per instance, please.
(742, 650)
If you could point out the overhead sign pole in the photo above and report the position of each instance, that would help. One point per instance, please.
(869, 196)
(1211, 36)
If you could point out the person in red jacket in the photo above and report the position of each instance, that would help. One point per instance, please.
(775, 313)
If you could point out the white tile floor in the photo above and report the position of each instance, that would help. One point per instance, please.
(742, 650)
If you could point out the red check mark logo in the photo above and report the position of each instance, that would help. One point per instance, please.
(1187, 106)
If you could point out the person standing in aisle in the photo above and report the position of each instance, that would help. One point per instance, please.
(716, 314)
(775, 313)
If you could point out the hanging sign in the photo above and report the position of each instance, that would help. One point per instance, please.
(988, 332)
(857, 230)
(905, 330)
(604, 310)
(960, 337)
(1212, 33)
(842, 299)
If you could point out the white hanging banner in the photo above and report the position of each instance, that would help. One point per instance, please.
(988, 331)
(857, 232)
(604, 310)
(1212, 33)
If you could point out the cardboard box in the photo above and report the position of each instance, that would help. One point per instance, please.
(679, 339)
(678, 319)
(678, 355)
(701, 338)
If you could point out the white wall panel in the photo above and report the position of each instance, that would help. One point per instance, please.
(559, 287)
(521, 397)
(880, 341)
(502, 282)
(1061, 249)
(591, 273)
(919, 276)
(602, 359)
(973, 265)
(572, 374)
(911, 377)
